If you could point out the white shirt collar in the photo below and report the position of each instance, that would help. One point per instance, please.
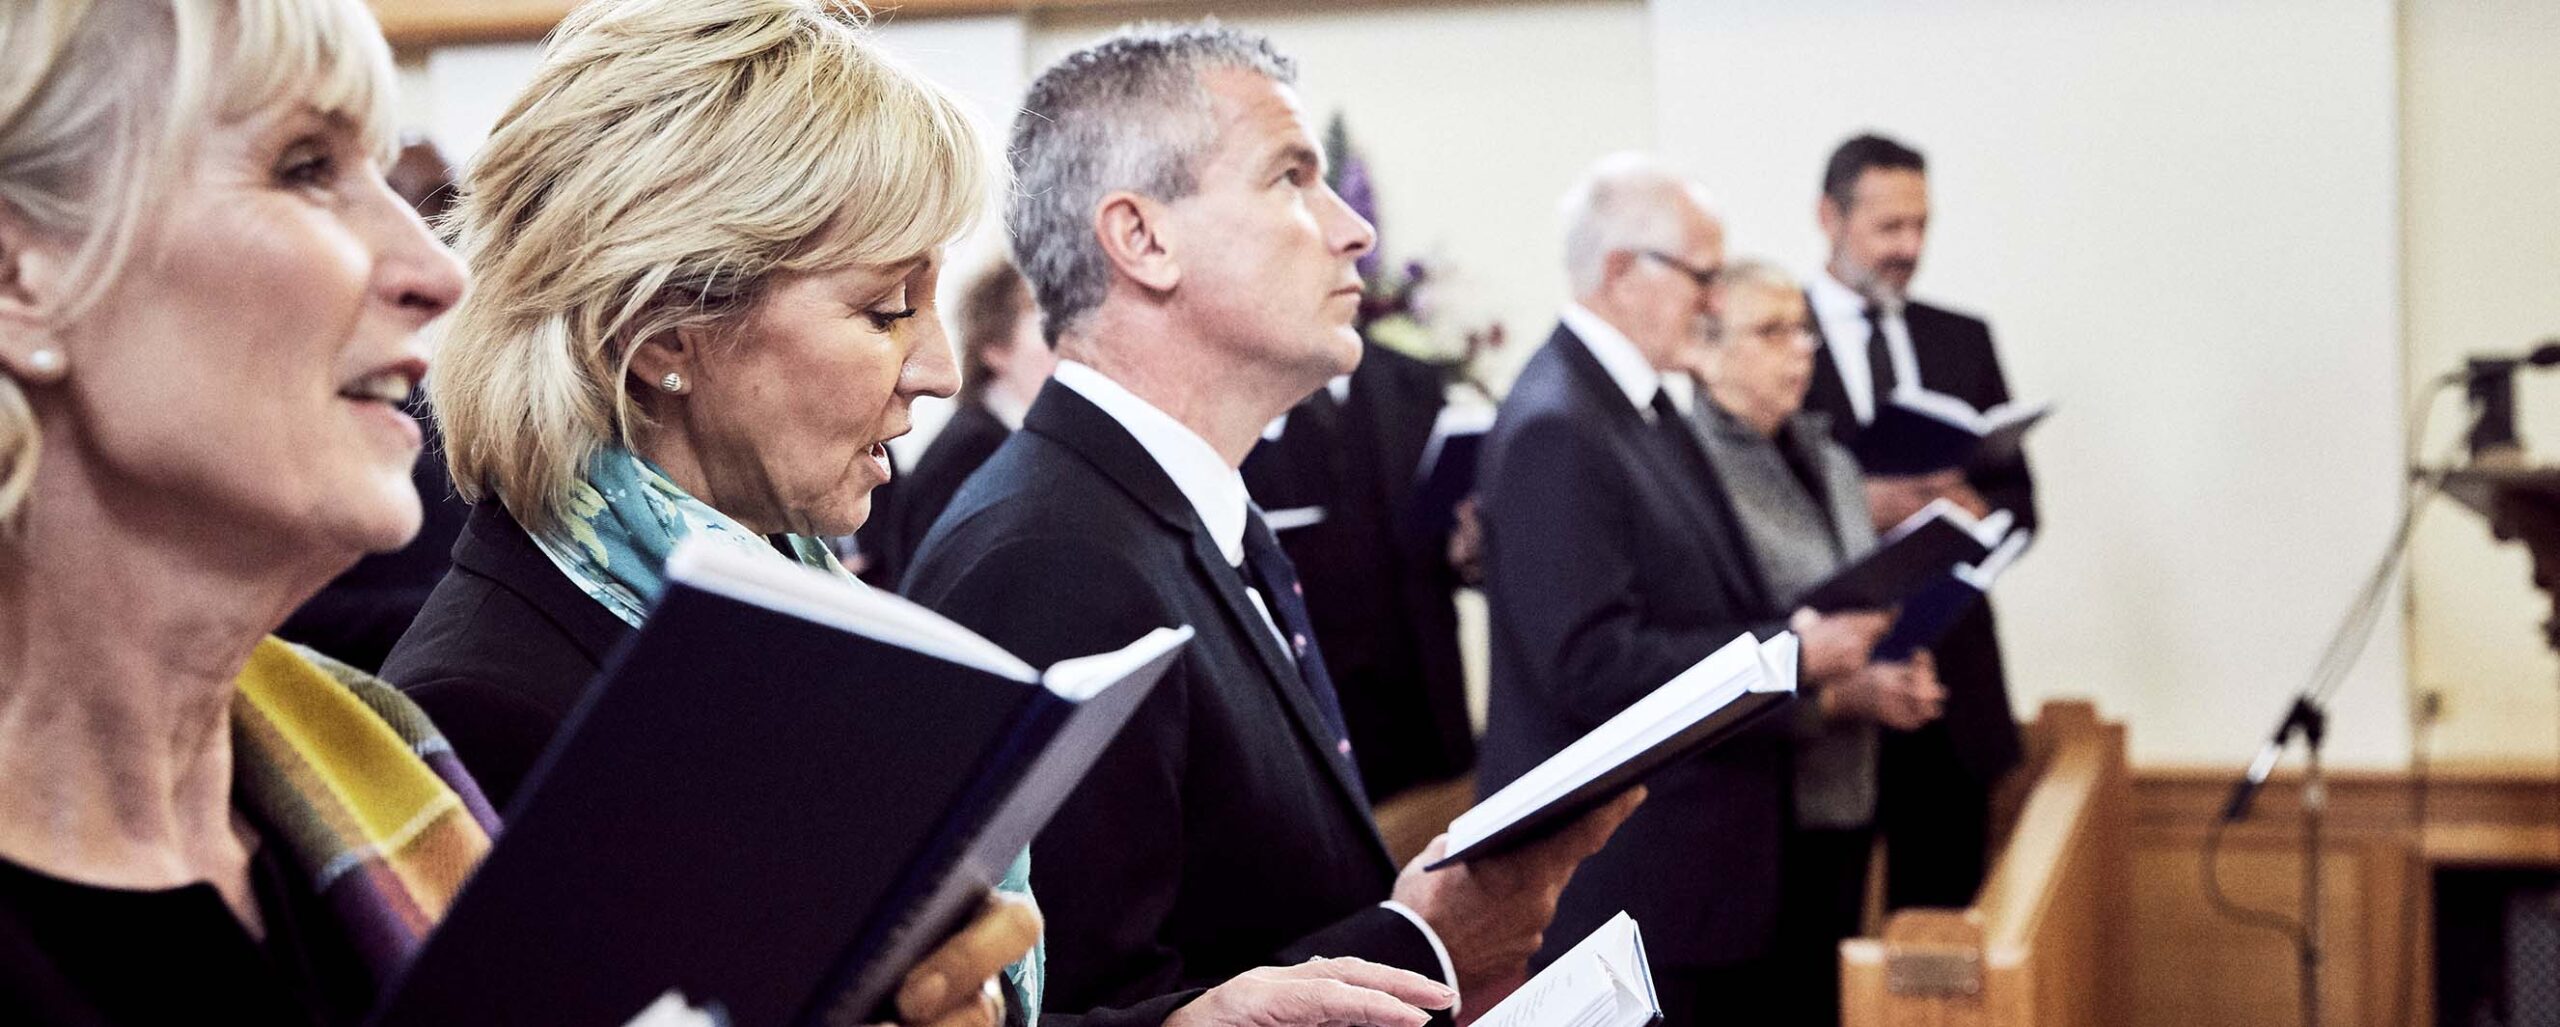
(1007, 409)
(1833, 300)
(1617, 354)
(1215, 490)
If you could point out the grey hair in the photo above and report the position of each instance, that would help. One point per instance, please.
(1127, 113)
(1623, 203)
(1753, 273)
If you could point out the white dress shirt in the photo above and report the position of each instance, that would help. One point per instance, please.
(1618, 355)
(1842, 313)
(1217, 494)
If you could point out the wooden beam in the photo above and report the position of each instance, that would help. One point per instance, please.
(421, 23)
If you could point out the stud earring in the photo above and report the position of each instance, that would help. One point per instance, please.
(673, 382)
(45, 363)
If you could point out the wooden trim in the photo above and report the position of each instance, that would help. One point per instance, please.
(428, 23)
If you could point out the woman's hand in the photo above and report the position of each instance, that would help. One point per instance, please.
(1318, 993)
(956, 985)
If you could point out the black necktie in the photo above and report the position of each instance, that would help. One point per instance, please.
(1879, 356)
(1270, 573)
(1674, 428)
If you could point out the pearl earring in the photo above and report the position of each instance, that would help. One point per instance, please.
(45, 362)
(673, 382)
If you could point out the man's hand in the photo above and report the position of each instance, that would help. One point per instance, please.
(1901, 696)
(1836, 645)
(1892, 500)
(956, 985)
(1466, 544)
(1317, 993)
(1492, 913)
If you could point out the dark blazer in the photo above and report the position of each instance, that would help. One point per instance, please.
(896, 528)
(1221, 831)
(1956, 357)
(1612, 563)
(505, 648)
(1379, 586)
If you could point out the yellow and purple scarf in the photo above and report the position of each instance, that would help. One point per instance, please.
(364, 797)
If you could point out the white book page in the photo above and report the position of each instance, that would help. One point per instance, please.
(1981, 575)
(1600, 982)
(1454, 419)
(2013, 412)
(1939, 406)
(1706, 686)
(847, 605)
(1079, 678)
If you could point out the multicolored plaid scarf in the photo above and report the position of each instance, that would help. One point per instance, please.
(364, 797)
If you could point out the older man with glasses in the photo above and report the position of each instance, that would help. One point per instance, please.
(1613, 562)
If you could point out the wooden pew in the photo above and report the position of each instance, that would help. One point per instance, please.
(2041, 946)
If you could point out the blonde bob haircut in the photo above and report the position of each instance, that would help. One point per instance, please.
(669, 158)
(103, 104)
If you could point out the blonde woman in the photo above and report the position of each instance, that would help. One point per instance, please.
(209, 309)
(209, 315)
(705, 244)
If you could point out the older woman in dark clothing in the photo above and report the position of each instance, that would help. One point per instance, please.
(1801, 505)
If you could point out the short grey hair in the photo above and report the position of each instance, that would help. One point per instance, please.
(1623, 203)
(1751, 273)
(1127, 113)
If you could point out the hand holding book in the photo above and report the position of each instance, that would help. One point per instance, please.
(1004, 930)
(1492, 912)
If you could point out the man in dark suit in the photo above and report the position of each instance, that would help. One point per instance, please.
(1195, 275)
(1379, 582)
(1613, 561)
(1934, 806)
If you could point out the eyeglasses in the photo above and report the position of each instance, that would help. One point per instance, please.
(1704, 276)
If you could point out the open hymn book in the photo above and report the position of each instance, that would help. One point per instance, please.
(1710, 701)
(1603, 981)
(1917, 431)
(782, 791)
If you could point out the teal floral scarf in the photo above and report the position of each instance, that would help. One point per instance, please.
(625, 518)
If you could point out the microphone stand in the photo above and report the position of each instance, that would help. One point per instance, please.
(2307, 718)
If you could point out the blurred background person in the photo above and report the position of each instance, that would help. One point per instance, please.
(1338, 475)
(1612, 563)
(1935, 809)
(1801, 505)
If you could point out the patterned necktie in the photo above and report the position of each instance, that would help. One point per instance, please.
(1270, 573)
(1879, 356)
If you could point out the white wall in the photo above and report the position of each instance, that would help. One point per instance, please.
(2480, 90)
(2180, 217)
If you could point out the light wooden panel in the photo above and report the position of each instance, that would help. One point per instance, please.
(2041, 946)
(2192, 968)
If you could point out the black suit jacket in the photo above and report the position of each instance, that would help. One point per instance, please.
(916, 498)
(1221, 831)
(1955, 357)
(1378, 582)
(1610, 567)
(504, 649)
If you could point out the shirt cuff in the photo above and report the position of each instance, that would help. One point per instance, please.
(1448, 970)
